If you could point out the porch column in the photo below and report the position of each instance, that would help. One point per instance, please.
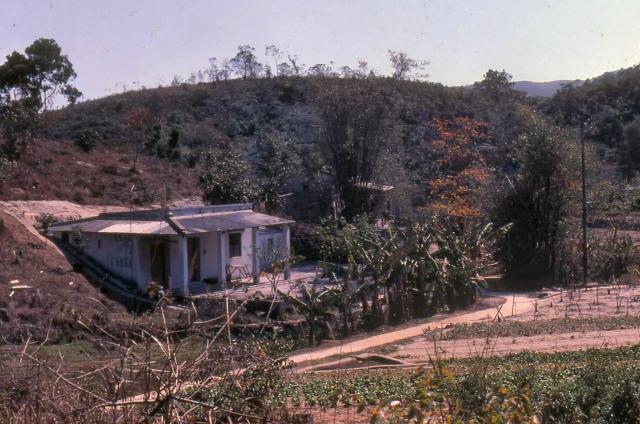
(182, 285)
(222, 259)
(286, 249)
(254, 255)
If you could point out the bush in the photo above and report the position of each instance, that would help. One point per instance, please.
(87, 140)
(44, 221)
(110, 169)
(77, 197)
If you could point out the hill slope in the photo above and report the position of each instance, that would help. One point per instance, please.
(58, 169)
(198, 117)
(542, 89)
(57, 301)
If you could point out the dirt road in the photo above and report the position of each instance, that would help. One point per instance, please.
(369, 343)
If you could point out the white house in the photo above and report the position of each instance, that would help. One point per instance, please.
(179, 247)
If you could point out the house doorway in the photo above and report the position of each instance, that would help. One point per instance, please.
(158, 263)
(193, 256)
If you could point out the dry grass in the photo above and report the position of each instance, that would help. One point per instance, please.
(60, 170)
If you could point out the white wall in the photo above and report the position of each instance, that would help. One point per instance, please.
(114, 252)
(208, 255)
(264, 236)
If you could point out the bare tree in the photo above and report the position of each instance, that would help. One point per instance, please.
(403, 65)
(296, 67)
(346, 72)
(176, 81)
(140, 124)
(284, 70)
(225, 70)
(319, 70)
(276, 54)
(363, 69)
(213, 72)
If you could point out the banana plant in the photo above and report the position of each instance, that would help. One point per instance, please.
(316, 305)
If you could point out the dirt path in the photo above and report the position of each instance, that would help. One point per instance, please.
(369, 343)
(422, 350)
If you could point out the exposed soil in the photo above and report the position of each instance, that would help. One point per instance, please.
(347, 348)
(423, 350)
(38, 289)
(60, 170)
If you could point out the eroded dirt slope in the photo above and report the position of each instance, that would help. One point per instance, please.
(38, 288)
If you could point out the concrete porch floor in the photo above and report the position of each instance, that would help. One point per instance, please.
(305, 271)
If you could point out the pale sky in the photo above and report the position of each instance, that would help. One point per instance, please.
(146, 42)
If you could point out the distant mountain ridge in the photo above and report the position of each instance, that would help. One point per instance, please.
(543, 89)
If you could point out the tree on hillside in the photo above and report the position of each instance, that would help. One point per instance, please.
(354, 140)
(245, 63)
(536, 202)
(460, 169)
(29, 83)
(403, 66)
(5, 167)
(39, 75)
(226, 177)
(499, 105)
(319, 70)
(632, 146)
(295, 66)
(140, 126)
(496, 85)
(273, 51)
(274, 167)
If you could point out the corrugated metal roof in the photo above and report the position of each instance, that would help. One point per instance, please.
(117, 226)
(193, 223)
(227, 221)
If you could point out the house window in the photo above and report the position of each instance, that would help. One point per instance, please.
(99, 244)
(235, 245)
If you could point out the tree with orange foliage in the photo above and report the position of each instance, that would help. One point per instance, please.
(460, 167)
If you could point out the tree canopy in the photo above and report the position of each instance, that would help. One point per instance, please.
(38, 75)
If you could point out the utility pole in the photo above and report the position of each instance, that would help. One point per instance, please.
(584, 207)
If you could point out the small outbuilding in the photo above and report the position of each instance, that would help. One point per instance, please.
(180, 248)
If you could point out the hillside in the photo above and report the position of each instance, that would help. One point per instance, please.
(58, 169)
(609, 104)
(56, 300)
(189, 119)
(542, 89)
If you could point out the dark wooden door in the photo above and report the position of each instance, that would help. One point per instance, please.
(158, 263)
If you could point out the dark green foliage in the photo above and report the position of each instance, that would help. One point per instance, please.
(87, 140)
(226, 178)
(631, 147)
(29, 83)
(535, 203)
(39, 75)
(242, 112)
(354, 141)
(275, 164)
(5, 166)
(608, 104)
